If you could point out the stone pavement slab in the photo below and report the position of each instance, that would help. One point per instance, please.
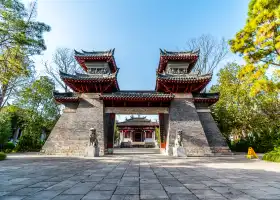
(43, 184)
(98, 195)
(81, 188)
(125, 197)
(135, 177)
(68, 197)
(127, 190)
(153, 194)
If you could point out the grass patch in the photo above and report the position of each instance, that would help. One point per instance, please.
(2, 156)
(273, 155)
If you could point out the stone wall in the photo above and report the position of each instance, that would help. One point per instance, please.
(70, 136)
(59, 140)
(183, 116)
(215, 139)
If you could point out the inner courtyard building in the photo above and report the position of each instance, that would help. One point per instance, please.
(138, 131)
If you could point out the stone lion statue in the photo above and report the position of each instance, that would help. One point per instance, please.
(93, 138)
(179, 139)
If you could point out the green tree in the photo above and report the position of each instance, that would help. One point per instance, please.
(259, 43)
(38, 99)
(259, 40)
(5, 128)
(40, 110)
(253, 118)
(20, 38)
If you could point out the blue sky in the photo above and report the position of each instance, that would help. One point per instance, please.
(137, 29)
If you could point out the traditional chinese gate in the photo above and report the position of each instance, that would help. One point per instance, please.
(97, 99)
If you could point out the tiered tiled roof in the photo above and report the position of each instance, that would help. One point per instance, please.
(95, 53)
(164, 52)
(88, 77)
(177, 78)
(65, 97)
(101, 79)
(209, 98)
(137, 121)
(189, 78)
(136, 99)
(96, 56)
(137, 95)
(185, 83)
(91, 82)
(179, 56)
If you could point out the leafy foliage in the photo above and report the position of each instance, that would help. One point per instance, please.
(259, 43)
(41, 112)
(20, 38)
(252, 119)
(28, 142)
(2, 156)
(273, 155)
(5, 127)
(9, 145)
(38, 99)
(259, 40)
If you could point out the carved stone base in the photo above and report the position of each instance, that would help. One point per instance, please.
(110, 151)
(92, 151)
(179, 152)
(163, 151)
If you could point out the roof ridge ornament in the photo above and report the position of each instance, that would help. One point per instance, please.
(164, 52)
(109, 52)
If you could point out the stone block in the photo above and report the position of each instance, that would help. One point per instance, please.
(92, 151)
(179, 152)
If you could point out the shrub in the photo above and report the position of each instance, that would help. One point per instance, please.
(273, 155)
(9, 146)
(2, 156)
(8, 150)
(263, 142)
(28, 143)
(5, 127)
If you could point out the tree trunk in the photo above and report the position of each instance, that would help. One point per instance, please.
(3, 94)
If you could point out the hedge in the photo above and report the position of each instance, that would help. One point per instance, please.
(273, 155)
(2, 156)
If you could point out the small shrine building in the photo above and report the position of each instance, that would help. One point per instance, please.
(137, 132)
(97, 98)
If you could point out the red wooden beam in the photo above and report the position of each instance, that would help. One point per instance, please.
(167, 89)
(106, 88)
(95, 87)
(186, 90)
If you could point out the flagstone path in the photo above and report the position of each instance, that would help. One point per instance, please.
(133, 177)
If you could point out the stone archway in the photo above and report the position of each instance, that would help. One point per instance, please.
(113, 111)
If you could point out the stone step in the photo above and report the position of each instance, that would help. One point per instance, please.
(123, 151)
(221, 151)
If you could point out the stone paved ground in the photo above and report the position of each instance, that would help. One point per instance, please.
(138, 177)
